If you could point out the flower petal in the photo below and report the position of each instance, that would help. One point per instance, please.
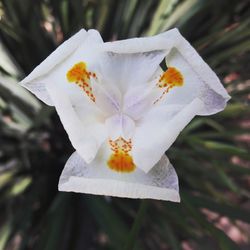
(199, 81)
(120, 126)
(86, 139)
(163, 41)
(159, 129)
(33, 82)
(138, 100)
(107, 97)
(129, 70)
(83, 121)
(160, 183)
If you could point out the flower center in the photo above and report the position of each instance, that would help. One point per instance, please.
(120, 125)
(120, 160)
(78, 74)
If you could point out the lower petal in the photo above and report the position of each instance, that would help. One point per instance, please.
(160, 183)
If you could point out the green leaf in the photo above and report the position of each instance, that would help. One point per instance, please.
(233, 212)
(51, 237)
(223, 240)
(109, 220)
(5, 232)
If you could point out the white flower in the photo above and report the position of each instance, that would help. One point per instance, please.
(122, 111)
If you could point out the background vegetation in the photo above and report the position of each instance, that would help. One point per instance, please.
(211, 156)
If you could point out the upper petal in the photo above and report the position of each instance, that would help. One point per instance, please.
(200, 80)
(163, 41)
(128, 70)
(32, 81)
(82, 120)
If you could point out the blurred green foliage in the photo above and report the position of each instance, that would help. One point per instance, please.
(211, 155)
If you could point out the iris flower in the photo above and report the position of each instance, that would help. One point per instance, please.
(122, 111)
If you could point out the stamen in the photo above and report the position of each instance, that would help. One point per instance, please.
(172, 77)
(120, 160)
(78, 74)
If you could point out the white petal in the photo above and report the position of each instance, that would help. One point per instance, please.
(107, 97)
(120, 126)
(164, 41)
(85, 139)
(51, 61)
(33, 82)
(129, 70)
(81, 119)
(199, 79)
(85, 109)
(138, 100)
(160, 183)
(158, 130)
(201, 82)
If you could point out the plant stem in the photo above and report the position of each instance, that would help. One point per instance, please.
(131, 240)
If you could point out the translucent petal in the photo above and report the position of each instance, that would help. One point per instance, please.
(160, 183)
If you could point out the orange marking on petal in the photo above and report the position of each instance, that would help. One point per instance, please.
(78, 74)
(120, 160)
(172, 77)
